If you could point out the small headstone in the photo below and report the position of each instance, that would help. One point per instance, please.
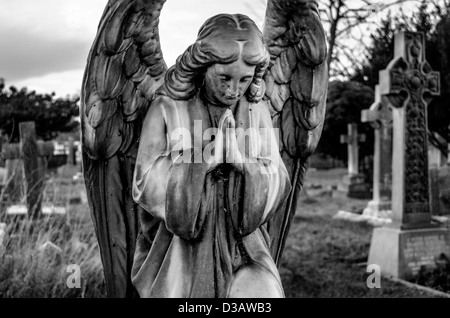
(51, 251)
(14, 182)
(2, 233)
(2, 176)
(352, 139)
(17, 209)
(50, 246)
(380, 117)
(26, 164)
(49, 209)
(354, 183)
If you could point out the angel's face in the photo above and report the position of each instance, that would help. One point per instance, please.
(226, 83)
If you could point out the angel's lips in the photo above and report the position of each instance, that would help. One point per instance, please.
(230, 100)
(310, 117)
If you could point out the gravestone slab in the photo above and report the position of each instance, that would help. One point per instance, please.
(412, 240)
(26, 165)
(57, 194)
(2, 176)
(17, 209)
(401, 253)
(354, 184)
(14, 182)
(379, 115)
(50, 209)
(2, 233)
(51, 252)
(352, 139)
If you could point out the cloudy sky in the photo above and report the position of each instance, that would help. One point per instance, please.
(44, 44)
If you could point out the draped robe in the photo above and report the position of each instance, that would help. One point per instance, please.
(205, 233)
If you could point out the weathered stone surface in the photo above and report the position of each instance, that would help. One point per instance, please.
(26, 165)
(412, 240)
(380, 116)
(351, 139)
(2, 233)
(409, 73)
(443, 177)
(401, 253)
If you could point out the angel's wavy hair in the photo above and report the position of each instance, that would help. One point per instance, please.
(222, 39)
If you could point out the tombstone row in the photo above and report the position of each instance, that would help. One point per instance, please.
(26, 166)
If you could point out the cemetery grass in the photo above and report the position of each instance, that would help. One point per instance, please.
(323, 257)
(326, 257)
(27, 270)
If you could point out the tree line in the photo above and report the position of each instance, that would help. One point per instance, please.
(51, 115)
(353, 90)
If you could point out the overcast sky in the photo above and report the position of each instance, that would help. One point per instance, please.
(44, 43)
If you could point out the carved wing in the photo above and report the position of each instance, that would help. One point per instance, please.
(124, 69)
(296, 90)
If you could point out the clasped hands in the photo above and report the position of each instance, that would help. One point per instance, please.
(226, 149)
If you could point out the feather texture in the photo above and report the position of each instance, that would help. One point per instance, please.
(296, 88)
(124, 69)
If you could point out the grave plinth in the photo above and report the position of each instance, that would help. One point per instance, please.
(379, 116)
(354, 183)
(401, 253)
(412, 240)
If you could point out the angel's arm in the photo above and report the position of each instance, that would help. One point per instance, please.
(168, 190)
(264, 182)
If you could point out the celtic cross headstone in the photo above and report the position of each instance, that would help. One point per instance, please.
(412, 241)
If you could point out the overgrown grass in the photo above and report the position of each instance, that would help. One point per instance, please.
(326, 257)
(29, 270)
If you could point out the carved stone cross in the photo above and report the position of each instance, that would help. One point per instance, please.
(379, 115)
(412, 241)
(29, 159)
(409, 84)
(352, 139)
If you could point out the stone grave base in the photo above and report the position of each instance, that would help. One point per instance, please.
(49, 209)
(17, 209)
(353, 217)
(401, 253)
(378, 209)
(356, 187)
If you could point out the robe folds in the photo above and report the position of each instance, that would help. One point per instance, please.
(204, 234)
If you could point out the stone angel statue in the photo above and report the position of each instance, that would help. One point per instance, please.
(193, 172)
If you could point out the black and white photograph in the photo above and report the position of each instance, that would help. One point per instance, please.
(259, 150)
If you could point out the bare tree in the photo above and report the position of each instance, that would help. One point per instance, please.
(348, 23)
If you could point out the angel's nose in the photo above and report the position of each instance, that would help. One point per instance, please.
(233, 89)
